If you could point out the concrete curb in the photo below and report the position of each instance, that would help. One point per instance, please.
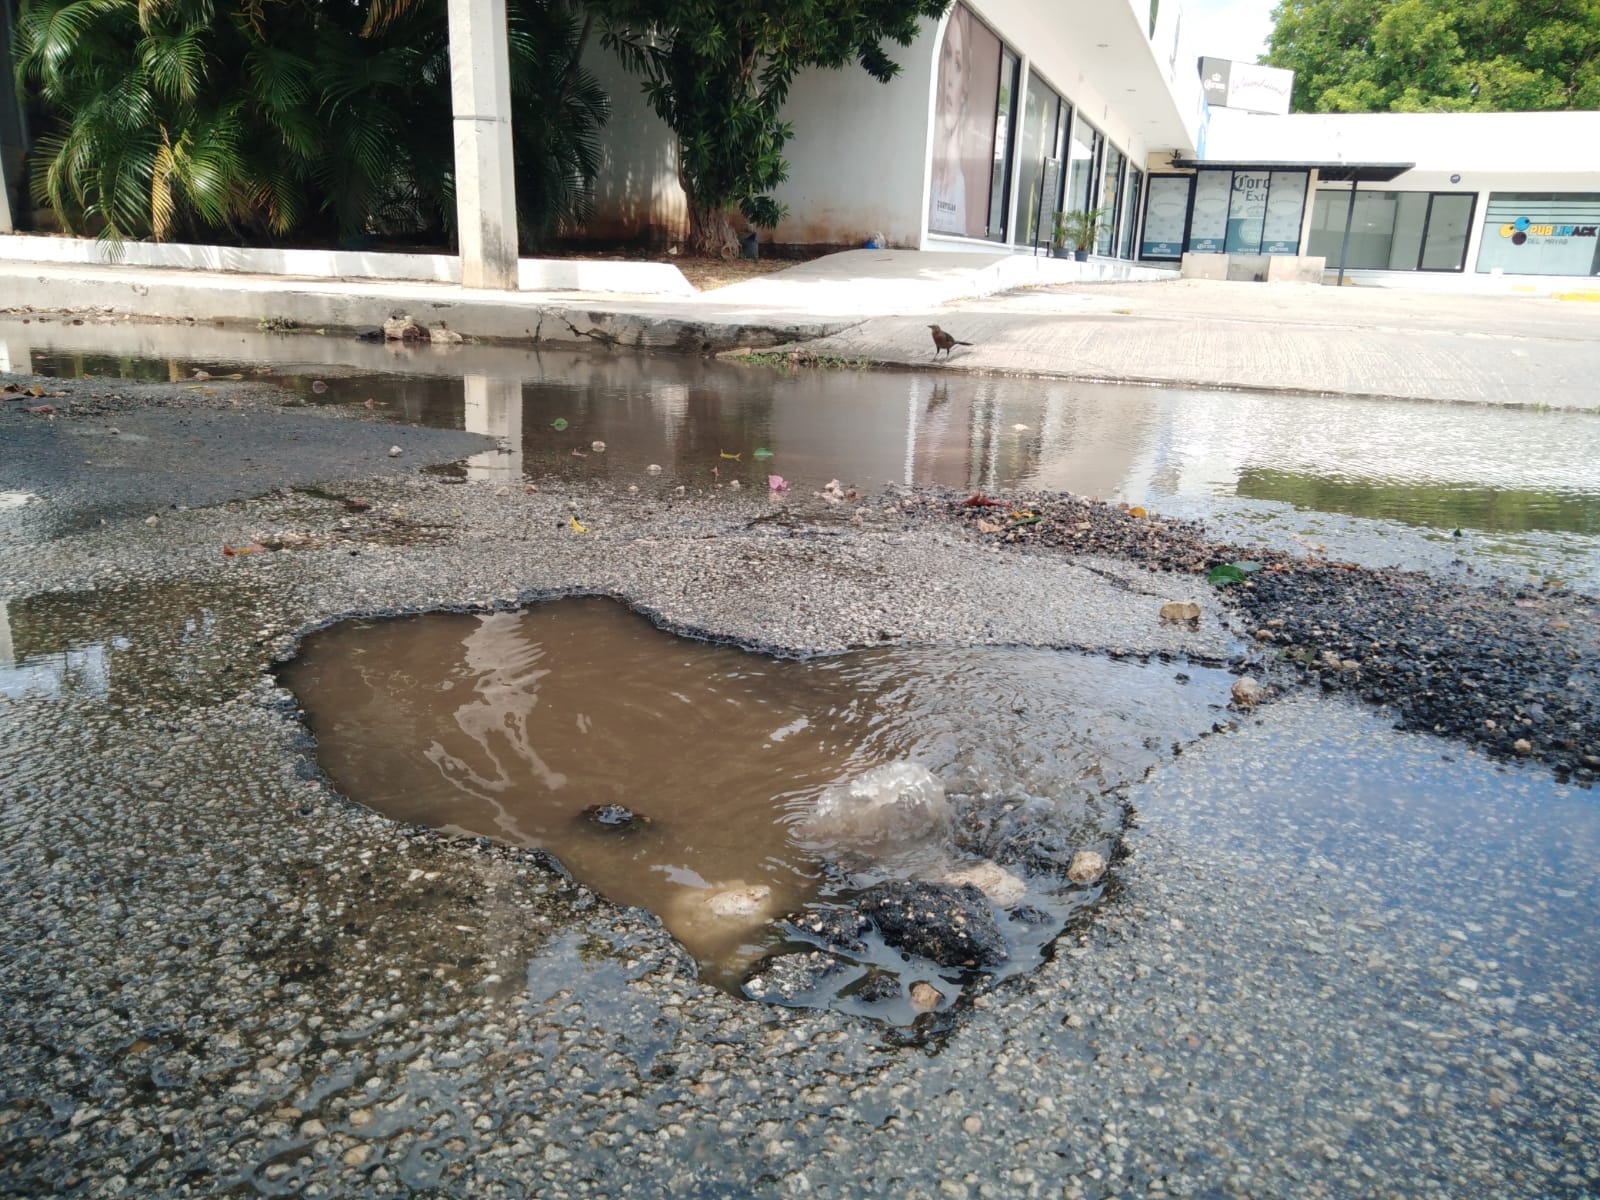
(152, 294)
(533, 274)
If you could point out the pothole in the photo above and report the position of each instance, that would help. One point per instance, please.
(875, 831)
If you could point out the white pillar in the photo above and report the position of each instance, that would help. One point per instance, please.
(494, 407)
(7, 225)
(480, 92)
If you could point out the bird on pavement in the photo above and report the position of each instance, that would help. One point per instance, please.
(943, 341)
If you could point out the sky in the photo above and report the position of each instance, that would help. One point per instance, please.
(1234, 29)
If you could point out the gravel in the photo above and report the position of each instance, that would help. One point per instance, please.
(1332, 958)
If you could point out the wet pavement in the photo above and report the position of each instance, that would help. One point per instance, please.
(1336, 960)
(1510, 491)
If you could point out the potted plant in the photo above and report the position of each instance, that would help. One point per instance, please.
(1077, 229)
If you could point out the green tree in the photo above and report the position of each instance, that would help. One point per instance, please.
(258, 120)
(1439, 55)
(718, 73)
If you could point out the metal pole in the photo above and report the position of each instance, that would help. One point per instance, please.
(1349, 216)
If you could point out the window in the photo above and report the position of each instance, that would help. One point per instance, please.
(1130, 212)
(1111, 191)
(1541, 233)
(1392, 231)
(1004, 122)
(1083, 155)
(1041, 146)
(1251, 211)
(1165, 213)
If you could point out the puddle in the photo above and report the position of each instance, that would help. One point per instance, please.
(134, 646)
(1523, 484)
(516, 726)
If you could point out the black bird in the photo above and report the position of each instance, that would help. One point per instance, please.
(943, 341)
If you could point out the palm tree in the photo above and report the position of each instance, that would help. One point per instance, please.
(298, 118)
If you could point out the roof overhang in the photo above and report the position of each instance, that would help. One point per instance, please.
(1327, 172)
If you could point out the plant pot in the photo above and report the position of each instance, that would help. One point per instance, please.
(1081, 255)
(1060, 252)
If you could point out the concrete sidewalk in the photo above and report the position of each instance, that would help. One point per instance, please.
(1384, 343)
(875, 306)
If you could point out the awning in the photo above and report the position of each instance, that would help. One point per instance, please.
(1327, 172)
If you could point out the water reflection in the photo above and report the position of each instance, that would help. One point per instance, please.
(133, 646)
(1519, 473)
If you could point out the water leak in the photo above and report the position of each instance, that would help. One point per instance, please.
(1523, 485)
(686, 777)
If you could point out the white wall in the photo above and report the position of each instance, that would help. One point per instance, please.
(858, 163)
(637, 195)
(859, 158)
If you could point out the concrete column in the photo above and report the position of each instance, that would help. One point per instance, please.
(16, 354)
(494, 407)
(480, 91)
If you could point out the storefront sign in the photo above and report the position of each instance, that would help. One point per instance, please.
(1541, 234)
(1229, 84)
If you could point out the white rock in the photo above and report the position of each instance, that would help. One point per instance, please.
(993, 880)
(740, 902)
(1086, 867)
(395, 452)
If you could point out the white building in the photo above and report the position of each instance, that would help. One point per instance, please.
(1008, 111)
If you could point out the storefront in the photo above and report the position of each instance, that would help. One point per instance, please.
(1023, 162)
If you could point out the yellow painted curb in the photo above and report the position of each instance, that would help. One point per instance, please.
(1592, 296)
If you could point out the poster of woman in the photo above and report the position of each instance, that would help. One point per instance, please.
(964, 127)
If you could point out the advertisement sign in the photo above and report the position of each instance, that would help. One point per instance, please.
(1247, 211)
(1260, 89)
(1286, 205)
(1208, 229)
(1229, 84)
(1214, 76)
(964, 126)
(1541, 234)
(1164, 213)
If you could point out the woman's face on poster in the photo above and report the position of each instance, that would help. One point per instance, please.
(953, 70)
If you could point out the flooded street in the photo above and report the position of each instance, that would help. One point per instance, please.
(373, 761)
(1515, 491)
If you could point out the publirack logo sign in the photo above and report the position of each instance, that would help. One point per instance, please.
(1520, 230)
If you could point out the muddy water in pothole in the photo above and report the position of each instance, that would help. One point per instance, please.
(1516, 490)
(512, 725)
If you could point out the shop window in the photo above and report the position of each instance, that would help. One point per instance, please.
(1082, 157)
(1541, 233)
(1208, 228)
(1165, 214)
(1392, 231)
(1246, 212)
(1111, 212)
(1130, 212)
(1039, 165)
(973, 116)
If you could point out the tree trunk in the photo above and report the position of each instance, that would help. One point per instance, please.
(710, 232)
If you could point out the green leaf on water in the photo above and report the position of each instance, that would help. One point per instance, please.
(558, 424)
(761, 452)
(1225, 574)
